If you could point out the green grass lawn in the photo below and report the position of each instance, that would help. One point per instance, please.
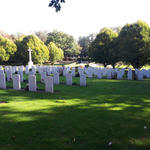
(77, 118)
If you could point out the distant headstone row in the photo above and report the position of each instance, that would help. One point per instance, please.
(50, 75)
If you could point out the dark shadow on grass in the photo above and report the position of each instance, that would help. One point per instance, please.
(103, 112)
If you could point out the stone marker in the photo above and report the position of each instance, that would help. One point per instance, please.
(16, 82)
(32, 83)
(140, 75)
(69, 79)
(129, 74)
(43, 76)
(1, 71)
(9, 75)
(21, 75)
(109, 75)
(73, 72)
(83, 80)
(2, 81)
(49, 86)
(56, 78)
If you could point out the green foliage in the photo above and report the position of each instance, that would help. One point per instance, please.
(104, 48)
(65, 42)
(40, 52)
(84, 43)
(134, 41)
(56, 54)
(7, 49)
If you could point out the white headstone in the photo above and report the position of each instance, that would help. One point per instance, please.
(56, 78)
(73, 72)
(83, 80)
(140, 75)
(129, 74)
(2, 81)
(21, 75)
(9, 75)
(16, 82)
(43, 76)
(26, 70)
(1, 71)
(69, 79)
(49, 86)
(32, 83)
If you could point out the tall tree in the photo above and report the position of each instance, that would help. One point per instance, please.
(64, 41)
(56, 54)
(134, 40)
(84, 43)
(104, 48)
(40, 52)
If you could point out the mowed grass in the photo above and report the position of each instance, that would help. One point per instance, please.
(77, 118)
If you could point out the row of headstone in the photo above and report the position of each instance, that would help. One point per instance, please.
(68, 76)
(90, 72)
(111, 73)
(32, 83)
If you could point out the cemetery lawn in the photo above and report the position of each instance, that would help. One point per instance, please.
(77, 118)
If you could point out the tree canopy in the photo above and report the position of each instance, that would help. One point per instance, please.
(104, 48)
(64, 41)
(134, 41)
(56, 54)
(40, 52)
(84, 43)
(7, 49)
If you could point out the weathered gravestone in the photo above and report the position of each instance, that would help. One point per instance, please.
(9, 75)
(69, 79)
(16, 82)
(73, 72)
(49, 86)
(109, 75)
(43, 76)
(21, 75)
(2, 81)
(99, 74)
(26, 70)
(129, 74)
(1, 71)
(32, 83)
(56, 78)
(140, 75)
(83, 80)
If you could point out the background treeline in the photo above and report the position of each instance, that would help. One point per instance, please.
(129, 44)
(46, 47)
